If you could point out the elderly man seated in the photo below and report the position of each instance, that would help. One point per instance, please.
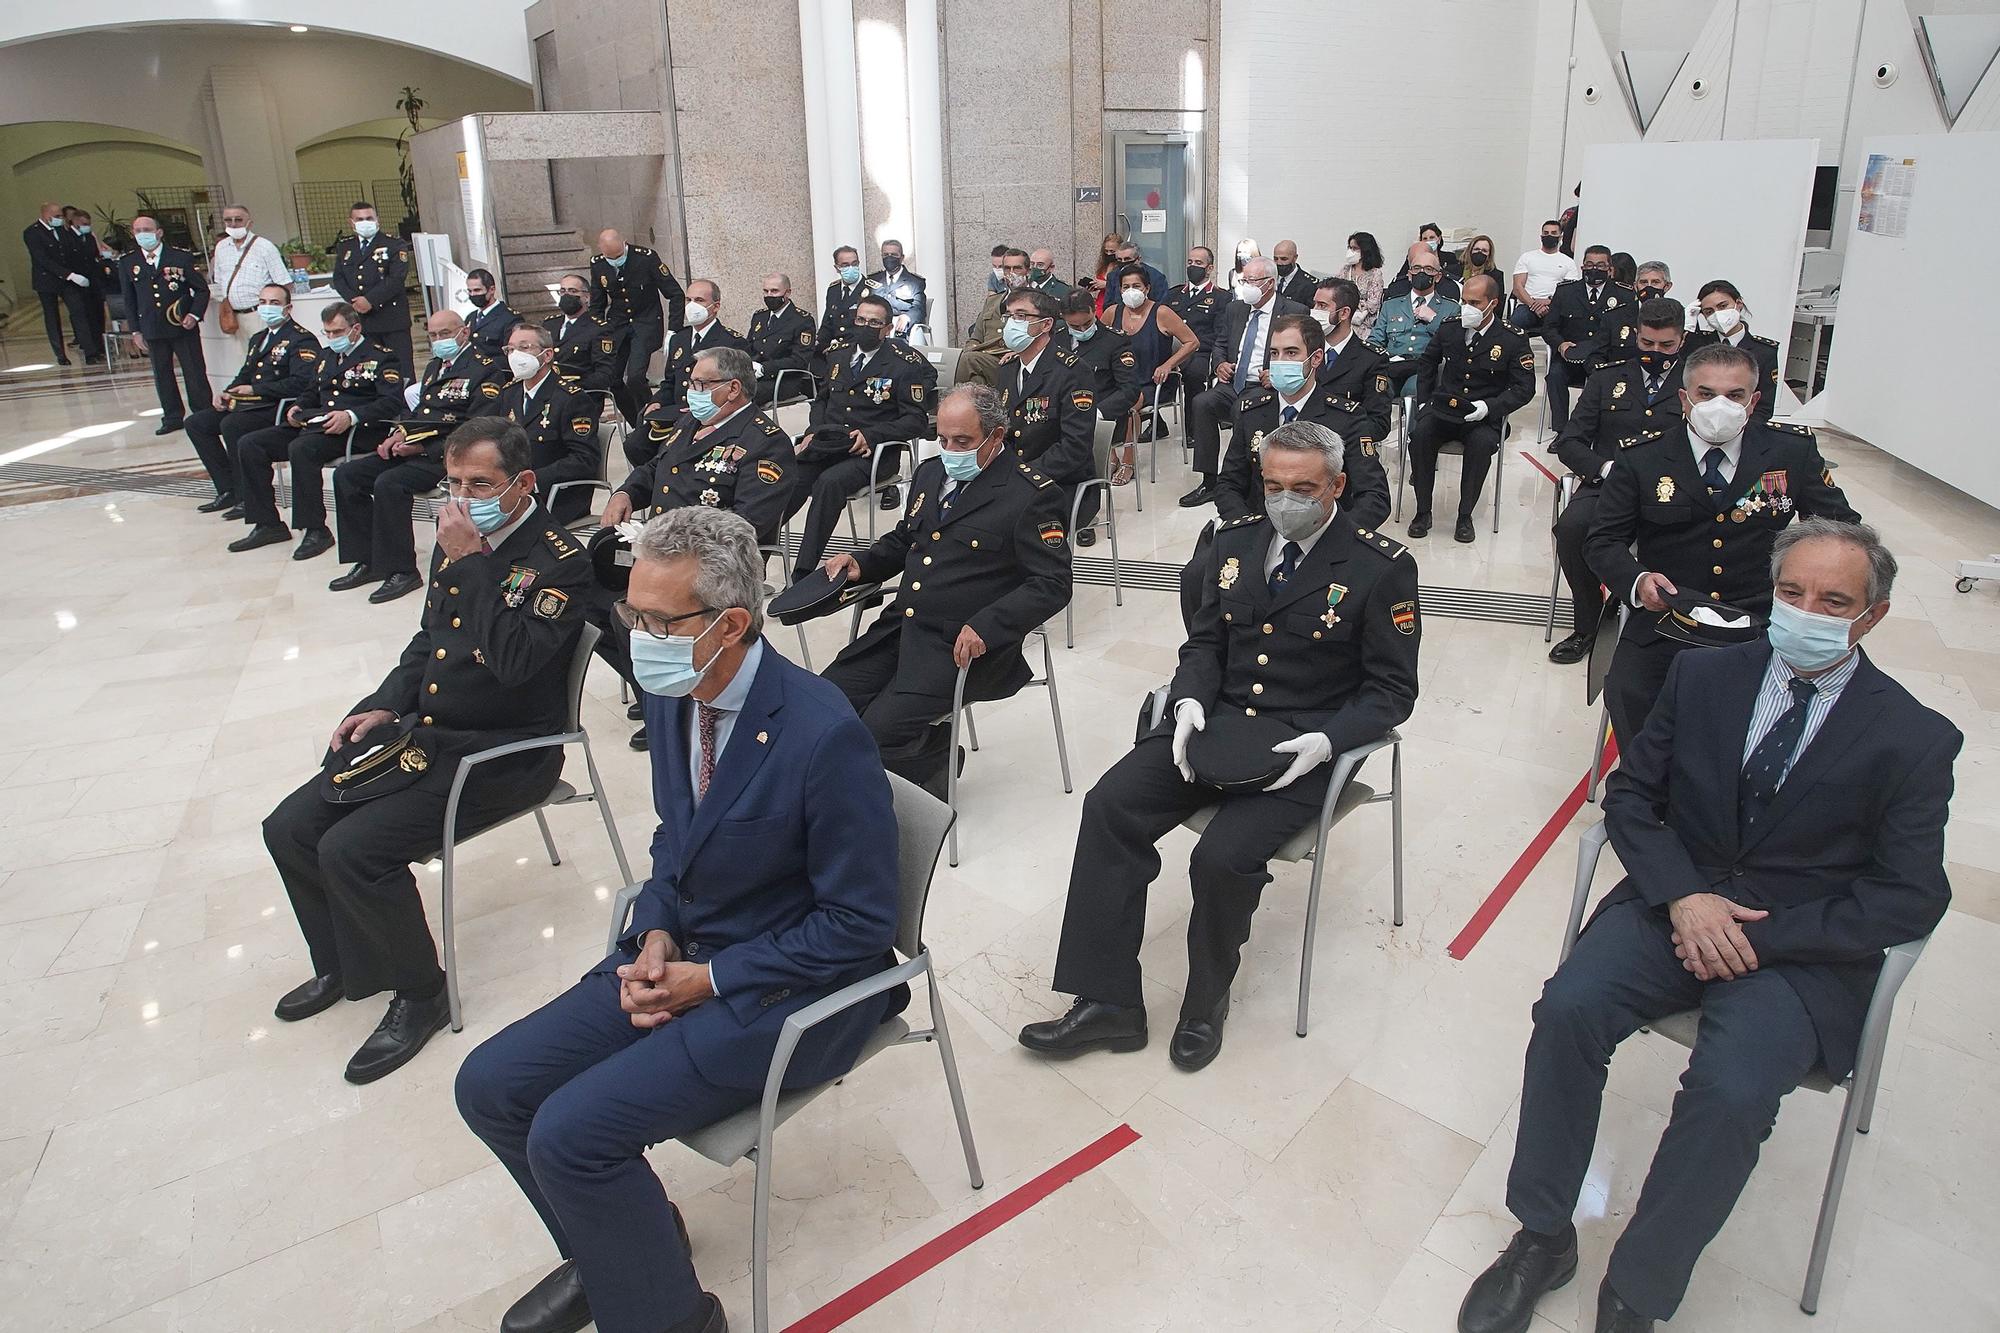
(1781, 823)
(1302, 621)
(774, 884)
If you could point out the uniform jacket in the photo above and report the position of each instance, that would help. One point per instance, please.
(1764, 351)
(80, 254)
(1334, 651)
(279, 363)
(48, 258)
(1718, 546)
(1614, 414)
(836, 320)
(984, 333)
(1601, 328)
(1199, 310)
(561, 423)
(377, 270)
(448, 392)
(784, 877)
(1240, 486)
(683, 345)
(1114, 371)
(1447, 287)
(782, 341)
(631, 293)
(1399, 333)
(367, 382)
(157, 296)
(1296, 286)
(743, 465)
(998, 562)
(905, 294)
(888, 398)
(1052, 412)
(490, 327)
(1848, 860)
(1500, 372)
(588, 352)
(1360, 374)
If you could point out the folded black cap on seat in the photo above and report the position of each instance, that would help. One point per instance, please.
(610, 558)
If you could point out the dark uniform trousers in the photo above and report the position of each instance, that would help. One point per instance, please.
(1480, 440)
(186, 349)
(1563, 376)
(913, 730)
(77, 301)
(216, 435)
(1586, 594)
(824, 482)
(1755, 1044)
(374, 497)
(347, 867)
(308, 451)
(1638, 671)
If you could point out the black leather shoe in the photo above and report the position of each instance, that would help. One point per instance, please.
(62, 360)
(166, 427)
(1199, 496)
(317, 541)
(1198, 1040)
(399, 1036)
(357, 576)
(1464, 531)
(1615, 1316)
(1502, 1299)
(636, 712)
(556, 1304)
(639, 741)
(1573, 649)
(1420, 525)
(892, 498)
(234, 511)
(1090, 1025)
(1086, 536)
(217, 505)
(397, 585)
(314, 997)
(708, 1319)
(264, 534)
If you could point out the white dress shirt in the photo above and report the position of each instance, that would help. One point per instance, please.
(1263, 314)
(260, 263)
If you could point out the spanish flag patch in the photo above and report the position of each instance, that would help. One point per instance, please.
(1052, 534)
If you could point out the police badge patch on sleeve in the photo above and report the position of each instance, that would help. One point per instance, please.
(549, 603)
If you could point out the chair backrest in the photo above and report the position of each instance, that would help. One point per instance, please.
(946, 361)
(579, 667)
(1100, 447)
(922, 821)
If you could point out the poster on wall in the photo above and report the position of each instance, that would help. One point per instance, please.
(1886, 189)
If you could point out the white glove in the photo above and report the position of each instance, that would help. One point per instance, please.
(1308, 752)
(1189, 718)
(79, 279)
(757, 369)
(630, 530)
(411, 393)
(1478, 412)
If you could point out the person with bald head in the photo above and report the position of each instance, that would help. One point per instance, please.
(628, 283)
(1241, 348)
(1294, 283)
(165, 296)
(1042, 273)
(58, 282)
(781, 339)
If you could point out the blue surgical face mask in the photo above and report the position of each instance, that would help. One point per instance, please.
(666, 666)
(850, 274)
(444, 349)
(367, 228)
(147, 240)
(1288, 377)
(1084, 334)
(342, 345)
(83, 229)
(487, 513)
(1807, 640)
(961, 464)
(619, 260)
(701, 402)
(1015, 334)
(272, 315)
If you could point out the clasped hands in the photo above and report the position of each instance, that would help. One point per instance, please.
(1709, 938)
(659, 986)
(1308, 751)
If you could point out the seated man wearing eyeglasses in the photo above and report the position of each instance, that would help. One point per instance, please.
(489, 665)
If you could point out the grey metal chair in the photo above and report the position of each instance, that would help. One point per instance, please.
(1858, 1114)
(1107, 519)
(1454, 447)
(1344, 795)
(904, 472)
(1566, 489)
(946, 361)
(778, 386)
(961, 714)
(922, 824)
(771, 550)
(562, 794)
(618, 430)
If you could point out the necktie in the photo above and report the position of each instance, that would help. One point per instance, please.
(1243, 352)
(1332, 359)
(1774, 754)
(950, 498)
(1711, 470)
(1594, 290)
(855, 365)
(1652, 385)
(705, 720)
(1288, 562)
(1290, 414)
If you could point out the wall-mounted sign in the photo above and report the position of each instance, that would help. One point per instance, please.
(1090, 194)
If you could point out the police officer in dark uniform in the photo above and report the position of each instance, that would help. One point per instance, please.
(1352, 367)
(984, 556)
(1103, 351)
(492, 319)
(560, 417)
(1625, 402)
(356, 384)
(1468, 379)
(1199, 303)
(165, 296)
(878, 391)
(54, 276)
(1305, 620)
(781, 339)
(489, 665)
(703, 330)
(1051, 401)
(79, 246)
(903, 289)
(375, 492)
(1589, 319)
(1703, 503)
(586, 349)
(369, 270)
(836, 312)
(627, 285)
(1722, 317)
(278, 364)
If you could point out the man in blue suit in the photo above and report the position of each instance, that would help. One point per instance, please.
(1781, 819)
(774, 884)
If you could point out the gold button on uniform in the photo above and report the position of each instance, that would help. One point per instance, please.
(937, 536)
(1249, 712)
(433, 687)
(927, 559)
(917, 586)
(909, 611)
(1258, 688)
(428, 721)
(1718, 518)
(1717, 543)
(1716, 570)
(1227, 616)
(1267, 629)
(454, 622)
(1713, 597)
(453, 591)
(440, 653)
(1263, 660)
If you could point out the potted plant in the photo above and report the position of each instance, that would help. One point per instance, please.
(411, 104)
(301, 253)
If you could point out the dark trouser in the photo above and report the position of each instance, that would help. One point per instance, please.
(1633, 684)
(1562, 377)
(913, 731)
(215, 436)
(1207, 412)
(1755, 1043)
(569, 1099)
(1523, 317)
(373, 497)
(75, 299)
(1132, 806)
(827, 481)
(186, 349)
(1586, 597)
(395, 339)
(630, 388)
(1480, 440)
(92, 337)
(308, 451)
(347, 868)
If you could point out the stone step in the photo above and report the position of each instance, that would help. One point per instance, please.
(541, 243)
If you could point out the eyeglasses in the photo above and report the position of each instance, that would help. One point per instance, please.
(860, 323)
(645, 622)
(476, 490)
(707, 386)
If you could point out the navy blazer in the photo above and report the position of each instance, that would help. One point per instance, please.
(158, 296)
(1848, 860)
(784, 878)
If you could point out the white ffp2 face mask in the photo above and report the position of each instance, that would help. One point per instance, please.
(1725, 320)
(523, 364)
(1717, 420)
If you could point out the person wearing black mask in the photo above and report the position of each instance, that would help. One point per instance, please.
(781, 339)
(1199, 303)
(1294, 283)
(902, 289)
(1431, 237)
(491, 320)
(1587, 320)
(1536, 274)
(586, 348)
(1654, 280)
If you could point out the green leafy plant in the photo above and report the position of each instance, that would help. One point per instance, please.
(412, 105)
(114, 230)
(316, 256)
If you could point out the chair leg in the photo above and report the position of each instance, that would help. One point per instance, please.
(1396, 828)
(805, 649)
(450, 939)
(1555, 589)
(1069, 621)
(1312, 929)
(548, 839)
(1111, 532)
(950, 1062)
(971, 730)
(1055, 711)
(1499, 474)
(760, 1241)
(620, 906)
(1597, 752)
(958, 712)
(1829, 1204)
(603, 804)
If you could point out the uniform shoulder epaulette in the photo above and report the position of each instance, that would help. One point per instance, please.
(1255, 396)
(1646, 437)
(1605, 363)
(1240, 521)
(1064, 354)
(570, 382)
(560, 544)
(1386, 547)
(770, 427)
(1760, 338)
(1037, 478)
(1790, 428)
(908, 353)
(1569, 282)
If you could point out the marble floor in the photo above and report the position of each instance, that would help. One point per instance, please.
(171, 1158)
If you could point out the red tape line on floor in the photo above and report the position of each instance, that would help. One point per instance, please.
(1538, 465)
(987, 1220)
(1524, 864)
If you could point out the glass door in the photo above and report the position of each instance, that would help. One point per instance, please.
(1155, 194)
